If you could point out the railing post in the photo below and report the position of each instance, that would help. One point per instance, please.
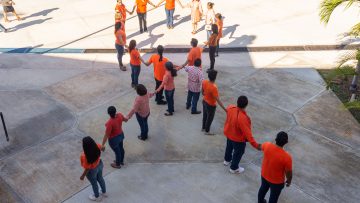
(4, 126)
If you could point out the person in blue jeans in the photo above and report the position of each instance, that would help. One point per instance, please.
(169, 87)
(93, 167)
(135, 63)
(169, 10)
(115, 135)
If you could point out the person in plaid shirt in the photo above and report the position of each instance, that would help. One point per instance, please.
(195, 78)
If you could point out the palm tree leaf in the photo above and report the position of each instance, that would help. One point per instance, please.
(348, 56)
(352, 105)
(355, 30)
(327, 7)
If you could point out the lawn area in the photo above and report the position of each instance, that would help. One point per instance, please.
(340, 86)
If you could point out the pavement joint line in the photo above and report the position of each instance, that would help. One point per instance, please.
(18, 197)
(311, 99)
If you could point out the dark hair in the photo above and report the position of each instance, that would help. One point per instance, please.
(212, 75)
(218, 15)
(281, 138)
(160, 50)
(170, 67)
(214, 29)
(210, 4)
(111, 111)
(91, 149)
(117, 26)
(242, 102)
(197, 62)
(132, 45)
(194, 42)
(141, 90)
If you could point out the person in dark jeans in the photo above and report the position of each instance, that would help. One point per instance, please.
(212, 43)
(237, 130)
(141, 9)
(211, 97)
(135, 63)
(276, 165)
(93, 167)
(169, 87)
(115, 135)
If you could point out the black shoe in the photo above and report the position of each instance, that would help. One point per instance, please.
(168, 114)
(133, 85)
(161, 102)
(145, 30)
(216, 55)
(187, 107)
(141, 31)
(140, 138)
(196, 112)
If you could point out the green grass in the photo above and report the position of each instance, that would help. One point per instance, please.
(341, 88)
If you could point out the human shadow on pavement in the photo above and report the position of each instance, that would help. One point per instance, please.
(230, 30)
(150, 28)
(151, 40)
(242, 41)
(41, 13)
(27, 24)
(24, 49)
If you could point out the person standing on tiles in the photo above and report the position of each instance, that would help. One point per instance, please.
(276, 165)
(120, 44)
(237, 130)
(141, 9)
(169, 11)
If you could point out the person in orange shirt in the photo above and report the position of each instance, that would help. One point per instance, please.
(194, 53)
(159, 71)
(118, 19)
(212, 43)
(169, 10)
(211, 97)
(135, 63)
(120, 7)
(120, 42)
(169, 87)
(93, 167)
(276, 165)
(237, 130)
(141, 12)
(115, 135)
(219, 23)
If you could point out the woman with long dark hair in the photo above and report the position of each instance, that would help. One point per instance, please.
(159, 71)
(212, 45)
(93, 166)
(135, 63)
(169, 86)
(120, 42)
(115, 135)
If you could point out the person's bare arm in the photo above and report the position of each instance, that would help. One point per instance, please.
(82, 177)
(151, 3)
(180, 3)
(288, 175)
(220, 103)
(103, 142)
(157, 5)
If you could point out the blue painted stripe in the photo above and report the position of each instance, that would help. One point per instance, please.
(31, 50)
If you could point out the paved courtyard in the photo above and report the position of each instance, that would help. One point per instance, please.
(51, 101)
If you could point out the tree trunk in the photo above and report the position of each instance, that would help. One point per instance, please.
(353, 86)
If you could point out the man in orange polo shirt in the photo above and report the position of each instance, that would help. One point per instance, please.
(141, 9)
(211, 97)
(276, 165)
(237, 129)
(194, 53)
(169, 10)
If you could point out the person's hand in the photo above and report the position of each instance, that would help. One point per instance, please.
(126, 46)
(287, 183)
(82, 177)
(103, 148)
(259, 147)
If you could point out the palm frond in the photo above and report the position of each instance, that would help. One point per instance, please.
(348, 56)
(355, 30)
(327, 7)
(352, 105)
(340, 72)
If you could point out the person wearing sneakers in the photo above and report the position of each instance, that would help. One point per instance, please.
(120, 43)
(115, 135)
(211, 97)
(237, 130)
(194, 53)
(159, 71)
(276, 165)
(93, 167)
(195, 78)
(9, 8)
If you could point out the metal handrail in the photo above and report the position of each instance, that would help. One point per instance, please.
(4, 126)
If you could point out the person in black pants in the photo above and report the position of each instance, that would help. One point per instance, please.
(211, 97)
(212, 43)
(141, 12)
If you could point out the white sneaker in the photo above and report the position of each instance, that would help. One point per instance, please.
(104, 194)
(237, 171)
(93, 198)
(226, 163)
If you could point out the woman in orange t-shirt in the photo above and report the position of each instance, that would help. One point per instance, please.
(135, 63)
(120, 7)
(159, 71)
(93, 166)
(212, 43)
(219, 23)
(141, 9)
(120, 42)
(169, 10)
